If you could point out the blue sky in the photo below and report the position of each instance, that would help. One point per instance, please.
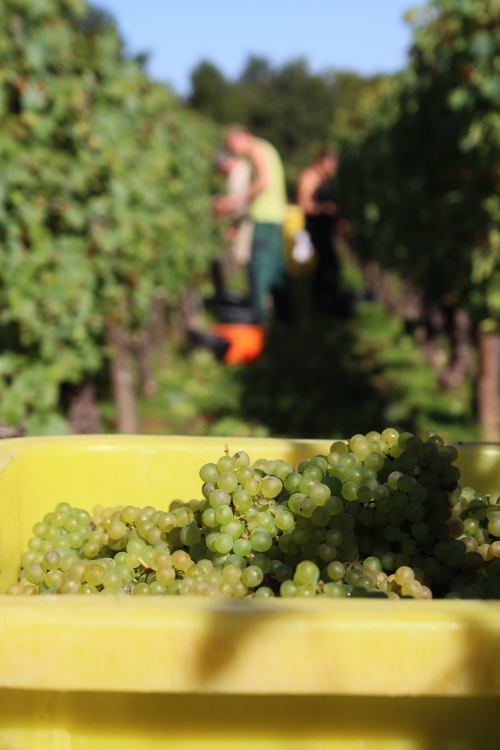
(368, 36)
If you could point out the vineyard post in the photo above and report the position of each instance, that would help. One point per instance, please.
(122, 380)
(488, 397)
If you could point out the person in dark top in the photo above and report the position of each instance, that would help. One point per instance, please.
(315, 197)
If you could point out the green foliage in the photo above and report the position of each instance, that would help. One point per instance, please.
(421, 177)
(104, 196)
(325, 377)
(197, 395)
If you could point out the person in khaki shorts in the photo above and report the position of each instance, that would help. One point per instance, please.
(266, 197)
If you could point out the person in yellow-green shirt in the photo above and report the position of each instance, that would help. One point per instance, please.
(266, 197)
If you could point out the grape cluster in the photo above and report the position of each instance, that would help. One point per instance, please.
(380, 516)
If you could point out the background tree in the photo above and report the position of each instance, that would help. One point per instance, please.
(421, 180)
(104, 197)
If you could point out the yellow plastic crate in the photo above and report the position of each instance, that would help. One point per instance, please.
(186, 673)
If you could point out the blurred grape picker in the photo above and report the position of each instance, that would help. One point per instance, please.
(239, 175)
(315, 197)
(266, 197)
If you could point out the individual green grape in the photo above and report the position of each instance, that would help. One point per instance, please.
(366, 583)
(112, 580)
(360, 446)
(304, 506)
(51, 561)
(493, 526)
(158, 588)
(234, 528)
(372, 563)
(364, 494)
(71, 524)
(51, 533)
(225, 463)
(405, 483)
(261, 561)
(218, 498)
(231, 573)
(336, 570)
(350, 491)
(374, 460)
(319, 493)
(94, 574)
(181, 560)
(116, 530)
(321, 462)
(271, 486)
(390, 436)
(340, 471)
(166, 522)
(284, 520)
(396, 516)
(369, 482)
(191, 534)
(34, 543)
(242, 547)
(153, 535)
(39, 530)
(313, 473)
(334, 505)
(207, 488)
(456, 527)
(227, 481)
(69, 585)
(306, 572)
(252, 576)
(223, 543)
(431, 566)
(452, 451)
(261, 540)
(208, 517)
(283, 573)
(306, 485)
(420, 531)
(292, 481)
(339, 447)
(252, 486)
(142, 589)
(350, 460)
(242, 500)
(264, 592)
(288, 588)
(53, 578)
(223, 514)
(320, 517)
(388, 560)
(265, 520)
(335, 590)
(352, 576)
(333, 458)
(327, 553)
(471, 526)
(403, 575)
(241, 459)
(244, 473)
(165, 575)
(183, 517)
(412, 588)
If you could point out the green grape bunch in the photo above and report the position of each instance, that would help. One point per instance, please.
(382, 516)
